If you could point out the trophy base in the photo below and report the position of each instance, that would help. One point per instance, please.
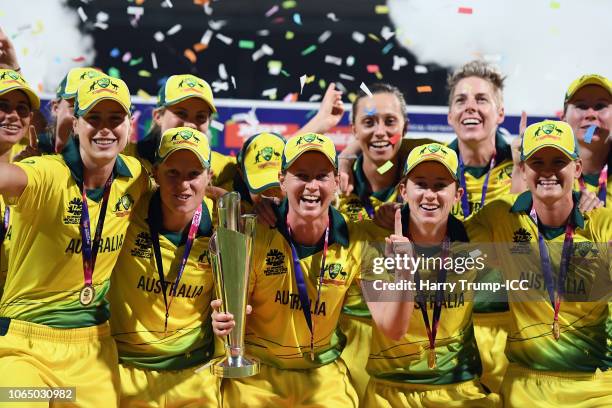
(235, 367)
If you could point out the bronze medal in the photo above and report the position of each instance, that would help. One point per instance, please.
(87, 295)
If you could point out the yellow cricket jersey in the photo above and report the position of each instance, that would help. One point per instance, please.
(591, 182)
(354, 206)
(137, 302)
(585, 343)
(500, 179)
(276, 331)
(45, 272)
(406, 360)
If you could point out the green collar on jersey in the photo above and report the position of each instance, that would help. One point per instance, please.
(362, 185)
(503, 152)
(338, 231)
(524, 202)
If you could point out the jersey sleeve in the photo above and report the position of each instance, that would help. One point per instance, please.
(44, 180)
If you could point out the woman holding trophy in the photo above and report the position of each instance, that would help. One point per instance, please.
(162, 285)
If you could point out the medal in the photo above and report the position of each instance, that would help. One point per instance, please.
(87, 294)
(432, 359)
(555, 330)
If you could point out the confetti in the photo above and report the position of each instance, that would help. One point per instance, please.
(115, 52)
(270, 93)
(332, 17)
(82, 14)
(358, 37)
(386, 33)
(271, 12)
(267, 49)
(154, 60)
(289, 35)
(217, 125)
(217, 25)
(102, 17)
(330, 59)
(114, 72)
(199, 47)
(370, 111)
(324, 36)
(395, 138)
(222, 71)
(126, 57)
(588, 135)
(288, 4)
(302, 82)
(347, 77)
(381, 9)
(263, 33)
(314, 98)
(135, 11)
(220, 86)
(159, 36)
(387, 48)
(274, 67)
(341, 87)
(423, 89)
(373, 37)
(167, 3)
(464, 10)
(246, 44)
(373, 68)
(385, 167)
(234, 82)
(297, 19)
(309, 50)
(174, 29)
(555, 5)
(420, 69)
(365, 89)
(100, 25)
(285, 73)
(257, 55)
(350, 61)
(78, 59)
(208, 9)
(322, 84)
(135, 62)
(379, 75)
(291, 97)
(39, 28)
(206, 37)
(190, 55)
(224, 39)
(399, 62)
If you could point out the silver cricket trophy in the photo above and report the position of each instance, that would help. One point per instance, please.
(231, 250)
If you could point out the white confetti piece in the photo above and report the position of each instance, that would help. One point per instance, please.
(274, 67)
(226, 40)
(267, 50)
(399, 62)
(420, 69)
(222, 71)
(263, 33)
(82, 14)
(135, 11)
(332, 17)
(386, 33)
(167, 3)
(324, 36)
(273, 10)
(257, 55)
(174, 29)
(101, 25)
(347, 77)
(270, 93)
(220, 86)
(302, 82)
(159, 36)
(330, 59)
(340, 86)
(206, 37)
(365, 89)
(314, 98)
(154, 60)
(217, 25)
(234, 82)
(102, 17)
(217, 125)
(208, 9)
(126, 57)
(358, 37)
(350, 61)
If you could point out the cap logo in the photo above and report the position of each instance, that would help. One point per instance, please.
(102, 84)
(433, 150)
(310, 139)
(89, 75)
(267, 154)
(12, 75)
(189, 82)
(185, 135)
(546, 132)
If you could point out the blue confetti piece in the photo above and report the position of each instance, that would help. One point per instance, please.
(588, 136)
(162, 81)
(115, 52)
(370, 111)
(297, 19)
(387, 48)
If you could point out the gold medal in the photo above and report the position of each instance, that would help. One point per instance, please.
(87, 295)
(555, 330)
(432, 359)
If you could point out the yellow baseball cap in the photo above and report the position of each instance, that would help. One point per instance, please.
(433, 152)
(184, 138)
(94, 90)
(260, 160)
(549, 133)
(67, 89)
(590, 79)
(180, 87)
(11, 81)
(300, 144)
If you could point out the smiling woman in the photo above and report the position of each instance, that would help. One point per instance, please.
(55, 313)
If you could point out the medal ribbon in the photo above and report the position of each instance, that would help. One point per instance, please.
(90, 249)
(602, 188)
(155, 216)
(465, 205)
(5, 224)
(432, 329)
(554, 293)
(301, 284)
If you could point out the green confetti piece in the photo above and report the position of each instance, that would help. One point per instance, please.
(385, 167)
(289, 4)
(135, 62)
(114, 72)
(246, 44)
(289, 35)
(309, 50)
(555, 5)
(387, 48)
(322, 83)
(285, 73)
